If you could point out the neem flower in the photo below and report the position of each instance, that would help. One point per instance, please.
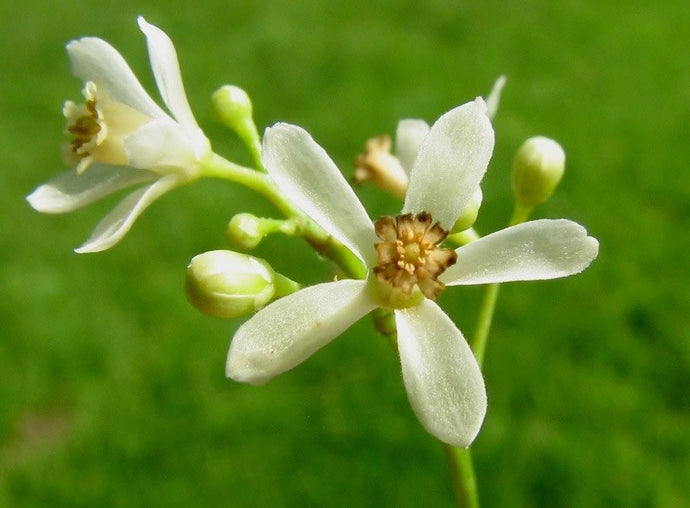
(407, 268)
(121, 137)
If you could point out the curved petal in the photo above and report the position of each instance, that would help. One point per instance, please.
(72, 190)
(442, 378)
(451, 162)
(166, 71)
(540, 249)
(116, 224)
(408, 138)
(160, 144)
(308, 176)
(95, 60)
(289, 330)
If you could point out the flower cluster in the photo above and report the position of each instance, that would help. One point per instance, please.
(120, 137)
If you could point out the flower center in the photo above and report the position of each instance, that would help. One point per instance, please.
(84, 128)
(409, 254)
(98, 129)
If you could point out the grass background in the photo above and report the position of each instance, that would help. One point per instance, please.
(111, 386)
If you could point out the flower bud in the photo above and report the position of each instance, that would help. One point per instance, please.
(245, 231)
(228, 284)
(231, 106)
(537, 169)
(469, 213)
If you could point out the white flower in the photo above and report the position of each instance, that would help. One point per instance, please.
(443, 381)
(121, 137)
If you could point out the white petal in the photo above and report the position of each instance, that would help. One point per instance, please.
(116, 224)
(408, 138)
(308, 176)
(95, 60)
(160, 144)
(494, 98)
(71, 190)
(442, 378)
(166, 71)
(291, 329)
(540, 249)
(451, 162)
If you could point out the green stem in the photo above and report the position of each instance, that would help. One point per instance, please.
(251, 138)
(521, 213)
(462, 476)
(332, 249)
(484, 319)
(460, 459)
(218, 167)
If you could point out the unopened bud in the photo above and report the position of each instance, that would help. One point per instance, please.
(231, 106)
(245, 231)
(469, 213)
(537, 169)
(228, 284)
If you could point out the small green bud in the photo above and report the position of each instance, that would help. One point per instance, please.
(245, 231)
(537, 169)
(469, 213)
(228, 284)
(231, 106)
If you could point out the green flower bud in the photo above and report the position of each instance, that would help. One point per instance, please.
(469, 213)
(231, 106)
(245, 231)
(228, 284)
(537, 169)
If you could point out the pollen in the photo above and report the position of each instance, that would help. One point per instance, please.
(409, 254)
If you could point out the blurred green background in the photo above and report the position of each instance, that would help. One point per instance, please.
(112, 388)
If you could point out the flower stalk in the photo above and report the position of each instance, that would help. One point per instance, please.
(460, 459)
(463, 478)
(327, 246)
(232, 107)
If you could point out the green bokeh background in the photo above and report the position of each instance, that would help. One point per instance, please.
(112, 390)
